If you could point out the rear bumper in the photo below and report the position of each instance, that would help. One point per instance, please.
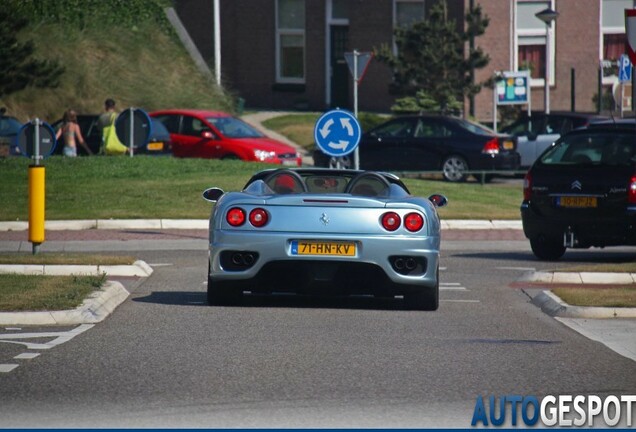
(371, 271)
(599, 231)
(507, 161)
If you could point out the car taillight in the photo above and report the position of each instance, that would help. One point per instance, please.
(527, 186)
(235, 216)
(391, 221)
(258, 217)
(491, 147)
(413, 222)
(631, 192)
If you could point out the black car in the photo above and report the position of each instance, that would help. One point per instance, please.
(581, 192)
(159, 142)
(537, 132)
(433, 143)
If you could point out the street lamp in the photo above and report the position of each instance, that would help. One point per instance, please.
(547, 16)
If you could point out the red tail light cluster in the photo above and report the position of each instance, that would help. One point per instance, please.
(527, 186)
(491, 147)
(391, 221)
(631, 191)
(257, 217)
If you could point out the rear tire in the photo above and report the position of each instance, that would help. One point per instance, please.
(547, 249)
(454, 167)
(223, 293)
(424, 300)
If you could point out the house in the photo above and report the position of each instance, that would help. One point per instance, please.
(290, 54)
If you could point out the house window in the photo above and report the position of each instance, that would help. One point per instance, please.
(290, 41)
(614, 39)
(408, 12)
(530, 38)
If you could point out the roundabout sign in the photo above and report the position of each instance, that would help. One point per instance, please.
(337, 133)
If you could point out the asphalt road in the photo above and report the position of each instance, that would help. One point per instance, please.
(165, 359)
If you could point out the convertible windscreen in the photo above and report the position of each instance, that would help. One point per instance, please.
(595, 149)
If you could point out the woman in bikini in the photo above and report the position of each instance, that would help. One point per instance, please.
(72, 134)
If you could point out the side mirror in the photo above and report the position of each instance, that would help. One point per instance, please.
(207, 135)
(438, 200)
(212, 194)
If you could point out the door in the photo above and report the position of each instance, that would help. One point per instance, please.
(339, 71)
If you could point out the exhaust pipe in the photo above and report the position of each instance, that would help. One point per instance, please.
(399, 263)
(237, 259)
(410, 264)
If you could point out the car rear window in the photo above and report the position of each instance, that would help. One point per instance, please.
(607, 148)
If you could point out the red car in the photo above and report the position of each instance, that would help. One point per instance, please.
(218, 135)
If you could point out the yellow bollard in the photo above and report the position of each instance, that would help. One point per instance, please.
(36, 205)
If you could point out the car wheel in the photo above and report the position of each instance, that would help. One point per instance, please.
(222, 293)
(454, 167)
(426, 300)
(547, 249)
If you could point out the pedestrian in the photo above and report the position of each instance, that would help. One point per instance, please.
(106, 124)
(108, 116)
(71, 134)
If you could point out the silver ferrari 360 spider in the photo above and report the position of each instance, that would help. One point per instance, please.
(331, 232)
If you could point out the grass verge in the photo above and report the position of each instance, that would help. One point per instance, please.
(623, 296)
(170, 188)
(45, 293)
(59, 258)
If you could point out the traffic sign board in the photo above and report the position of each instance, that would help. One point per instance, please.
(358, 63)
(36, 139)
(625, 69)
(337, 133)
(137, 121)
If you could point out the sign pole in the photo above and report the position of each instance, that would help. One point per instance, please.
(132, 130)
(36, 195)
(494, 102)
(356, 154)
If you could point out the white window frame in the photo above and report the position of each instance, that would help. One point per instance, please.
(535, 82)
(289, 32)
(611, 79)
(329, 21)
(395, 7)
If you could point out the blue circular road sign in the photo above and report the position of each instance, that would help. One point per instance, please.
(44, 146)
(337, 133)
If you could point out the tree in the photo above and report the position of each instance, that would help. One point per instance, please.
(18, 67)
(430, 70)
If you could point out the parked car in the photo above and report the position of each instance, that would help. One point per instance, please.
(311, 230)
(218, 135)
(159, 142)
(538, 131)
(9, 128)
(581, 192)
(432, 143)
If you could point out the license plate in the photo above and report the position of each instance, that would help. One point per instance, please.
(508, 145)
(155, 146)
(581, 202)
(290, 162)
(331, 248)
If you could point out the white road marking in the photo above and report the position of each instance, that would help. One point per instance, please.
(161, 264)
(460, 301)
(13, 328)
(4, 368)
(453, 288)
(516, 268)
(26, 356)
(59, 337)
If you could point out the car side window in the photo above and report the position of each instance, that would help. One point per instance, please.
(400, 128)
(553, 125)
(171, 122)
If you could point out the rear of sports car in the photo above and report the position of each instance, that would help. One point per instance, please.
(333, 244)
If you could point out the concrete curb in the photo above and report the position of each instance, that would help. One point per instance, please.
(579, 278)
(552, 305)
(94, 309)
(138, 269)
